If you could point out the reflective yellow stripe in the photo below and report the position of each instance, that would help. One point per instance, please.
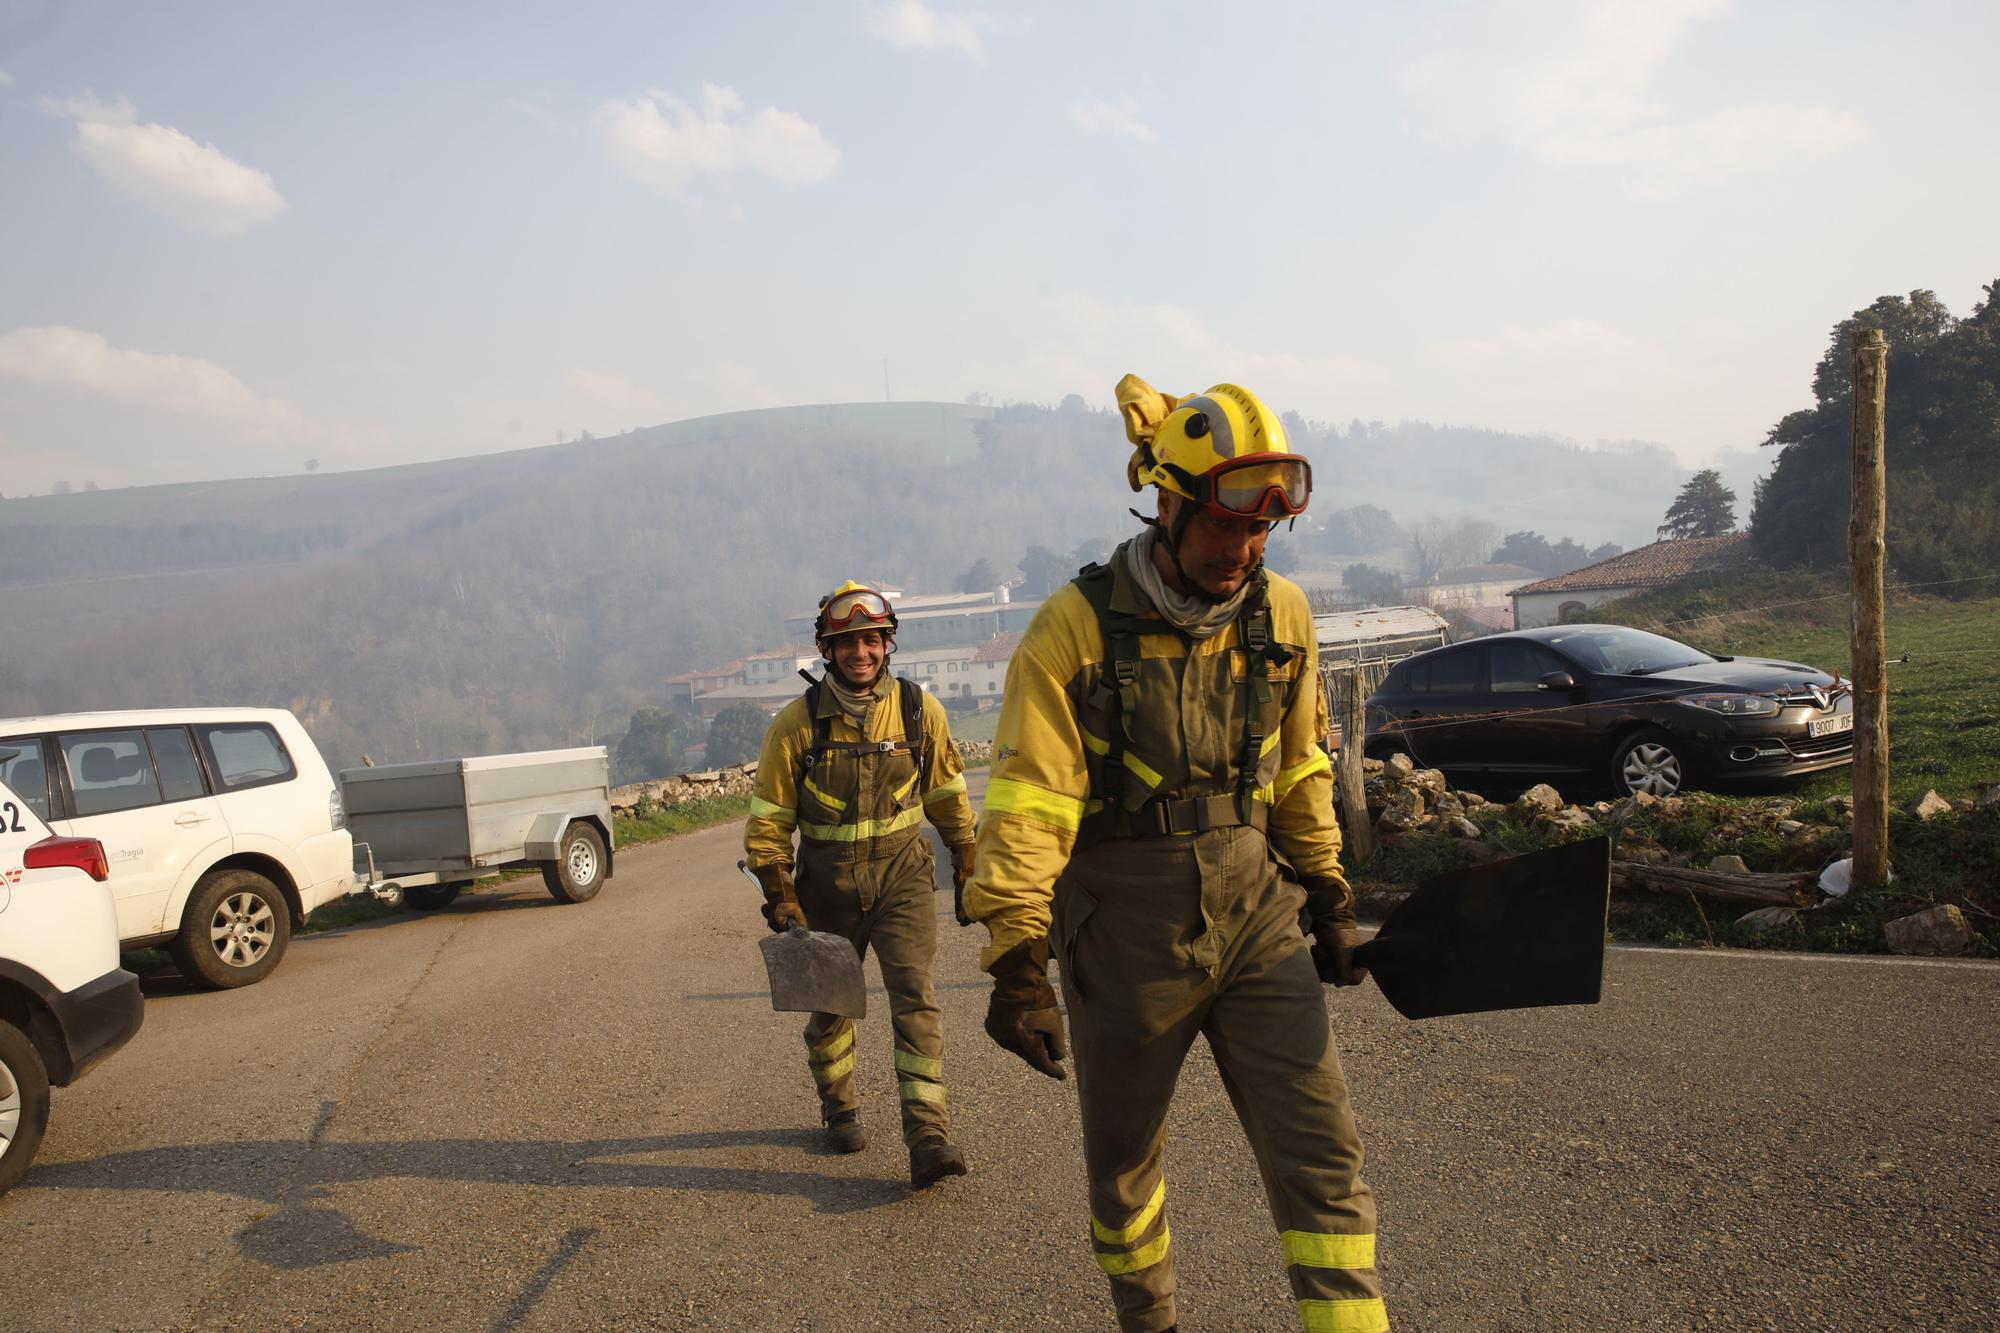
(1144, 1257)
(912, 1063)
(777, 814)
(953, 788)
(1141, 769)
(1270, 743)
(867, 828)
(830, 802)
(1004, 796)
(904, 790)
(913, 1091)
(831, 1048)
(1357, 1316)
(1320, 1249)
(1094, 745)
(1141, 1223)
(1293, 776)
(827, 1075)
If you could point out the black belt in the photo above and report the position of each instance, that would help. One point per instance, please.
(1196, 814)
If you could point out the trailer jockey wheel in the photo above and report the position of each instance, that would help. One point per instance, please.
(577, 873)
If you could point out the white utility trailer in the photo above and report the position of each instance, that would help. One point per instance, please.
(423, 831)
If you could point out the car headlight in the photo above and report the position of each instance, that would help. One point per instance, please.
(1737, 705)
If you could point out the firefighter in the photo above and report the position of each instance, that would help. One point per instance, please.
(1160, 820)
(854, 765)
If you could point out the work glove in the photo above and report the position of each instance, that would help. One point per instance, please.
(1328, 920)
(781, 901)
(961, 875)
(1022, 1015)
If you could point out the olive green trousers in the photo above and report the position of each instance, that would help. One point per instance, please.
(886, 903)
(1164, 939)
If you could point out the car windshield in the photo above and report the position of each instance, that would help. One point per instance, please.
(1615, 651)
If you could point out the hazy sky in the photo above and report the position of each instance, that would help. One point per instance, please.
(237, 235)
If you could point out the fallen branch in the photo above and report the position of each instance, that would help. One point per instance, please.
(1784, 890)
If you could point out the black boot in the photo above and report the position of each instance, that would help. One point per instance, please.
(845, 1134)
(932, 1158)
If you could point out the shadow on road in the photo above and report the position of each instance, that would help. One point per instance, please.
(303, 1234)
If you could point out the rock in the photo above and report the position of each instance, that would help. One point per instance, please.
(1430, 782)
(1840, 803)
(1645, 801)
(1728, 865)
(1370, 767)
(1790, 827)
(1449, 806)
(1642, 851)
(1768, 918)
(1603, 809)
(1564, 820)
(1472, 800)
(1963, 806)
(1930, 806)
(1939, 931)
(1540, 797)
(1404, 810)
(1398, 766)
(1461, 827)
(1991, 796)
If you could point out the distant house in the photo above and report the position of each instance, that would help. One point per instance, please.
(1549, 601)
(989, 664)
(1469, 586)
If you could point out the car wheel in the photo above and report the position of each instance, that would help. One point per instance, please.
(430, 897)
(24, 1103)
(234, 931)
(577, 873)
(1650, 762)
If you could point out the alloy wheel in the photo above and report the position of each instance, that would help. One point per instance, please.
(10, 1107)
(1653, 769)
(242, 929)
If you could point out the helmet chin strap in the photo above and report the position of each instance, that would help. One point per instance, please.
(1171, 535)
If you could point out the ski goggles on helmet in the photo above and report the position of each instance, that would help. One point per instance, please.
(857, 609)
(1269, 486)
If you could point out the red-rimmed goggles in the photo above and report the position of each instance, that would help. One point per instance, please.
(861, 608)
(1270, 486)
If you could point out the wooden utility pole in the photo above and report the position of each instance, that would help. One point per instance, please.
(1353, 738)
(1870, 644)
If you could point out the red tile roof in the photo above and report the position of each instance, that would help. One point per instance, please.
(1653, 566)
(998, 648)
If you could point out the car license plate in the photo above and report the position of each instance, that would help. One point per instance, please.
(1827, 726)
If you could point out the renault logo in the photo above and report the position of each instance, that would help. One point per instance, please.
(1821, 697)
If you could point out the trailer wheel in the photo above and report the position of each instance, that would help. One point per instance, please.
(430, 897)
(577, 873)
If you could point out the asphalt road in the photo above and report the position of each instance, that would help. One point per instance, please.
(515, 1114)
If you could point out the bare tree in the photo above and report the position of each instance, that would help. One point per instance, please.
(1440, 543)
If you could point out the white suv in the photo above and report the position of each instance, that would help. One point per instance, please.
(223, 826)
(64, 1002)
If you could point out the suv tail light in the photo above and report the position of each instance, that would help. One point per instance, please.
(336, 810)
(85, 854)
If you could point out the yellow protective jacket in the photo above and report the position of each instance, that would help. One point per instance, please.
(1040, 790)
(774, 805)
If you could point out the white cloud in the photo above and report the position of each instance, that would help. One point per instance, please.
(913, 23)
(1574, 83)
(660, 140)
(182, 385)
(1120, 118)
(194, 184)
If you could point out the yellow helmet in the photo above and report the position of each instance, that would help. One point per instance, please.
(1223, 449)
(851, 608)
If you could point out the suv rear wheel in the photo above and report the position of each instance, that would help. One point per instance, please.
(24, 1103)
(234, 931)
